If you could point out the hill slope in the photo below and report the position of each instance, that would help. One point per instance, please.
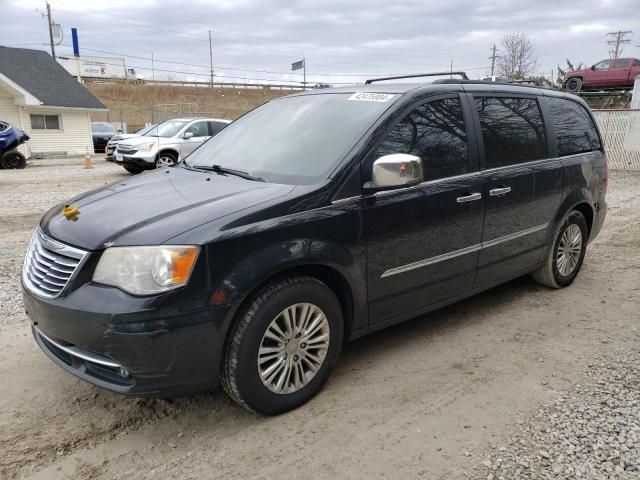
(133, 104)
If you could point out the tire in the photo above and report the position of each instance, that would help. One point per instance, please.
(13, 160)
(241, 378)
(574, 85)
(554, 272)
(166, 159)
(135, 171)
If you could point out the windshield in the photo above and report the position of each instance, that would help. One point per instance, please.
(295, 140)
(103, 127)
(146, 130)
(169, 128)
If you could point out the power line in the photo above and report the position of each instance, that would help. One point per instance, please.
(223, 67)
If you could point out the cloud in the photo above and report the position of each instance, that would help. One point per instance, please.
(343, 41)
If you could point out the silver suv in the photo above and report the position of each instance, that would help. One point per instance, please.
(171, 141)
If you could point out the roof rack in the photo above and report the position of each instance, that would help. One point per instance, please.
(435, 74)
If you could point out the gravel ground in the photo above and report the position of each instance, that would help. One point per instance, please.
(520, 382)
(589, 432)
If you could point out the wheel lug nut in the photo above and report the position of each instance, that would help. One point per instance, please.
(304, 345)
(295, 357)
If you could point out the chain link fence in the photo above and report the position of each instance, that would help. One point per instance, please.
(620, 131)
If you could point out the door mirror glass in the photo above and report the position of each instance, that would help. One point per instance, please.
(187, 135)
(395, 171)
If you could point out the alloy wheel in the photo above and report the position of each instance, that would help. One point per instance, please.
(569, 250)
(293, 348)
(165, 162)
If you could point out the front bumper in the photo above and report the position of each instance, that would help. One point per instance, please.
(130, 345)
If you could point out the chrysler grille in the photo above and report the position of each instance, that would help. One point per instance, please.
(49, 265)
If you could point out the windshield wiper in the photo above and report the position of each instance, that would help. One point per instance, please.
(230, 171)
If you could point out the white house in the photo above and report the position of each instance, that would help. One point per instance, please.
(39, 96)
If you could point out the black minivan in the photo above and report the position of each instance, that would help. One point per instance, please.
(313, 220)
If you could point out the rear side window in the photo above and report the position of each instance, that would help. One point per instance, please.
(215, 127)
(512, 130)
(622, 63)
(575, 130)
(436, 133)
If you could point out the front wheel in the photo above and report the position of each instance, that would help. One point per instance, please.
(13, 160)
(284, 346)
(166, 159)
(564, 259)
(574, 85)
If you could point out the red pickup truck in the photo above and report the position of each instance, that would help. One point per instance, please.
(610, 73)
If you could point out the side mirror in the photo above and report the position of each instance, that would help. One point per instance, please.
(593, 67)
(187, 135)
(395, 171)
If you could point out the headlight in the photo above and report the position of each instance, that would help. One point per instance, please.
(146, 270)
(145, 146)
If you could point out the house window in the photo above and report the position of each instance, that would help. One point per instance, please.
(45, 122)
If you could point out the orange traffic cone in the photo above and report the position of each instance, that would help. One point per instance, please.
(87, 161)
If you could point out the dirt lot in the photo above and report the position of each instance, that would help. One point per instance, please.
(438, 397)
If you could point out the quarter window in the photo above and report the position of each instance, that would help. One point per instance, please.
(575, 130)
(512, 130)
(436, 133)
(45, 122)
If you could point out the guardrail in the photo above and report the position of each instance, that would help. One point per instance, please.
(620, 131)
(186, 83)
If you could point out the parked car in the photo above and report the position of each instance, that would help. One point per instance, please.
(312, 220)
(608, 73)
(101, 132)
(10, 138)
(110, 150)
(170, 142)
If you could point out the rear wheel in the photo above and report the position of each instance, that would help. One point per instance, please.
(13, 160)
(574, 85)
(564, 259)
(284, 346)
(166, 159)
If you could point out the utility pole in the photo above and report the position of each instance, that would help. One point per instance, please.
(50, 22)
(153, 70)
(211, 56)
(493, 58)
(618, 40)
(304, 73)
(451, 69)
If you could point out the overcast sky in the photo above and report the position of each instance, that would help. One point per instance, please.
(259, 39)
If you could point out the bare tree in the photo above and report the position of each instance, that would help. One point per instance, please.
(517, 56)
(571, 67)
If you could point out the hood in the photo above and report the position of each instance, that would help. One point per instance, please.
(576, 73)
(136, 139)
(152, 208)
(122, 136)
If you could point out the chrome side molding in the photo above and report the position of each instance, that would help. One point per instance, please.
(463, 251)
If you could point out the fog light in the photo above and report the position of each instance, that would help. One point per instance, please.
(124, 372)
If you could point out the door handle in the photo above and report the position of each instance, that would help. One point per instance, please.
(498, 192)
(472, 197)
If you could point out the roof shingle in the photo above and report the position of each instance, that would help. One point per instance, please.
(40, 75)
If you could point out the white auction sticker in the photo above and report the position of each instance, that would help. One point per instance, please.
(371, 97)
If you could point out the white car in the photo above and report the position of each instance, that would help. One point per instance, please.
(110, 150)
(169, 142)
